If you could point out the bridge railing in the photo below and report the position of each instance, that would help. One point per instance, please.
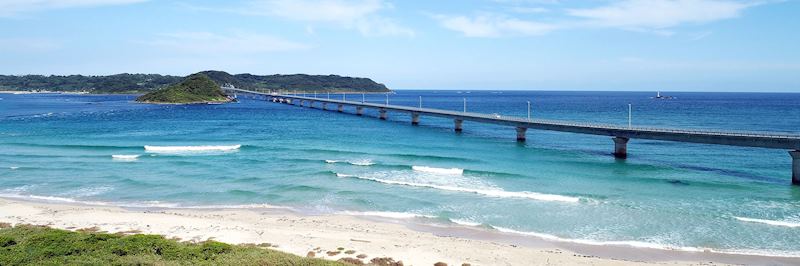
(522, 120)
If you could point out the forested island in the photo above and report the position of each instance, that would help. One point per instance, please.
(144, 83)
(196, 88)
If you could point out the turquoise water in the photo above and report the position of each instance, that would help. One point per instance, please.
(557, 185)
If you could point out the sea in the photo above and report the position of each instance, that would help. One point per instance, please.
(109, 150)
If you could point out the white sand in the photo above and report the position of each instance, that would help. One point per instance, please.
(298, 234)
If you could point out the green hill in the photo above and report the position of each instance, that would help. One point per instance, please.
(143, 83)
(197, 88)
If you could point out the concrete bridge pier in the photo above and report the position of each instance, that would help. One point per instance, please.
(415, 119)
(302, 103)
(458, 125)
(620, 147)
(340, 108)
(383, 114)
(521, 133)
(795, 167)
(359, 111)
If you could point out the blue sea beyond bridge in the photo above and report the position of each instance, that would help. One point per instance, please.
(620, 134)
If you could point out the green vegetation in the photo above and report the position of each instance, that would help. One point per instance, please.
(142, 83)
(37, 245)
(120, 83)
(197, 88)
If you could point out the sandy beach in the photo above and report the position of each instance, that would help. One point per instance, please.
(301, 234)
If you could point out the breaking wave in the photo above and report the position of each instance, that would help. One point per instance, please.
(441, 171)
(356, 162)
(124, 157)
(393, 215)
(495, 193)
(179, 149)
(769, 222)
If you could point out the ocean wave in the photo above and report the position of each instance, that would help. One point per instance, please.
(136, 204)
(465, 222)
(393, 215)
(180, 149)
(365, 162)
(641, 244)
(769, 222)
(442, 171)
(125, 157)
(637, 244)
(72, 146)
(484, 192)
(89, 191)
(432, 157)
(13, 167)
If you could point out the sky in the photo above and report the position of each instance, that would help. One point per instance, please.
(610, 45)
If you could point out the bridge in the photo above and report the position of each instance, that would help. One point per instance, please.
(620, 134)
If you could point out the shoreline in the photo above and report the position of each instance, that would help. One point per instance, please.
(298, 233)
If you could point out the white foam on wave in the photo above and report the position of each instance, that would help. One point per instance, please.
(135, 204)
(89, 191)
(393, 215)
(442, 171)
(13, 167)
(485, 192)
(465, 222)
(365, 162)
(769, 222)
(178, 149)
(125, 157)
(640, 244)
(637, 244)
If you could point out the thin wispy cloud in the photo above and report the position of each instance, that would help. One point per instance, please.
(239, 43)
(660, 14)
(364, 16)
(14, 8)
(491, 25)
(651, 16)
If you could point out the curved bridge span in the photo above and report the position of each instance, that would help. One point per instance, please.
(620, 135)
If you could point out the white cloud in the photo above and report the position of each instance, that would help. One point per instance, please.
(361, 15)
(488, 25)
(529, 10)
(216, 44)
(659, 14)
(340, 11)
(12, 8)
(658, 17)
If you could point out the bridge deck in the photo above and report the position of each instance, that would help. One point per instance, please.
(732, 138)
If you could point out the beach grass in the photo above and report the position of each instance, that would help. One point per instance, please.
(40, 245)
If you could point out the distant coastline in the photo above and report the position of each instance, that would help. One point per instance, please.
(145, 83)
(42, 92)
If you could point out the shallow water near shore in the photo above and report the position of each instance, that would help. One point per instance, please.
(561, 186)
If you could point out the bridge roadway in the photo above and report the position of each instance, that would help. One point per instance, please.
(620, 134)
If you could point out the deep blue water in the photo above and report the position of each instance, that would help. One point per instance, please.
(60, 147)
